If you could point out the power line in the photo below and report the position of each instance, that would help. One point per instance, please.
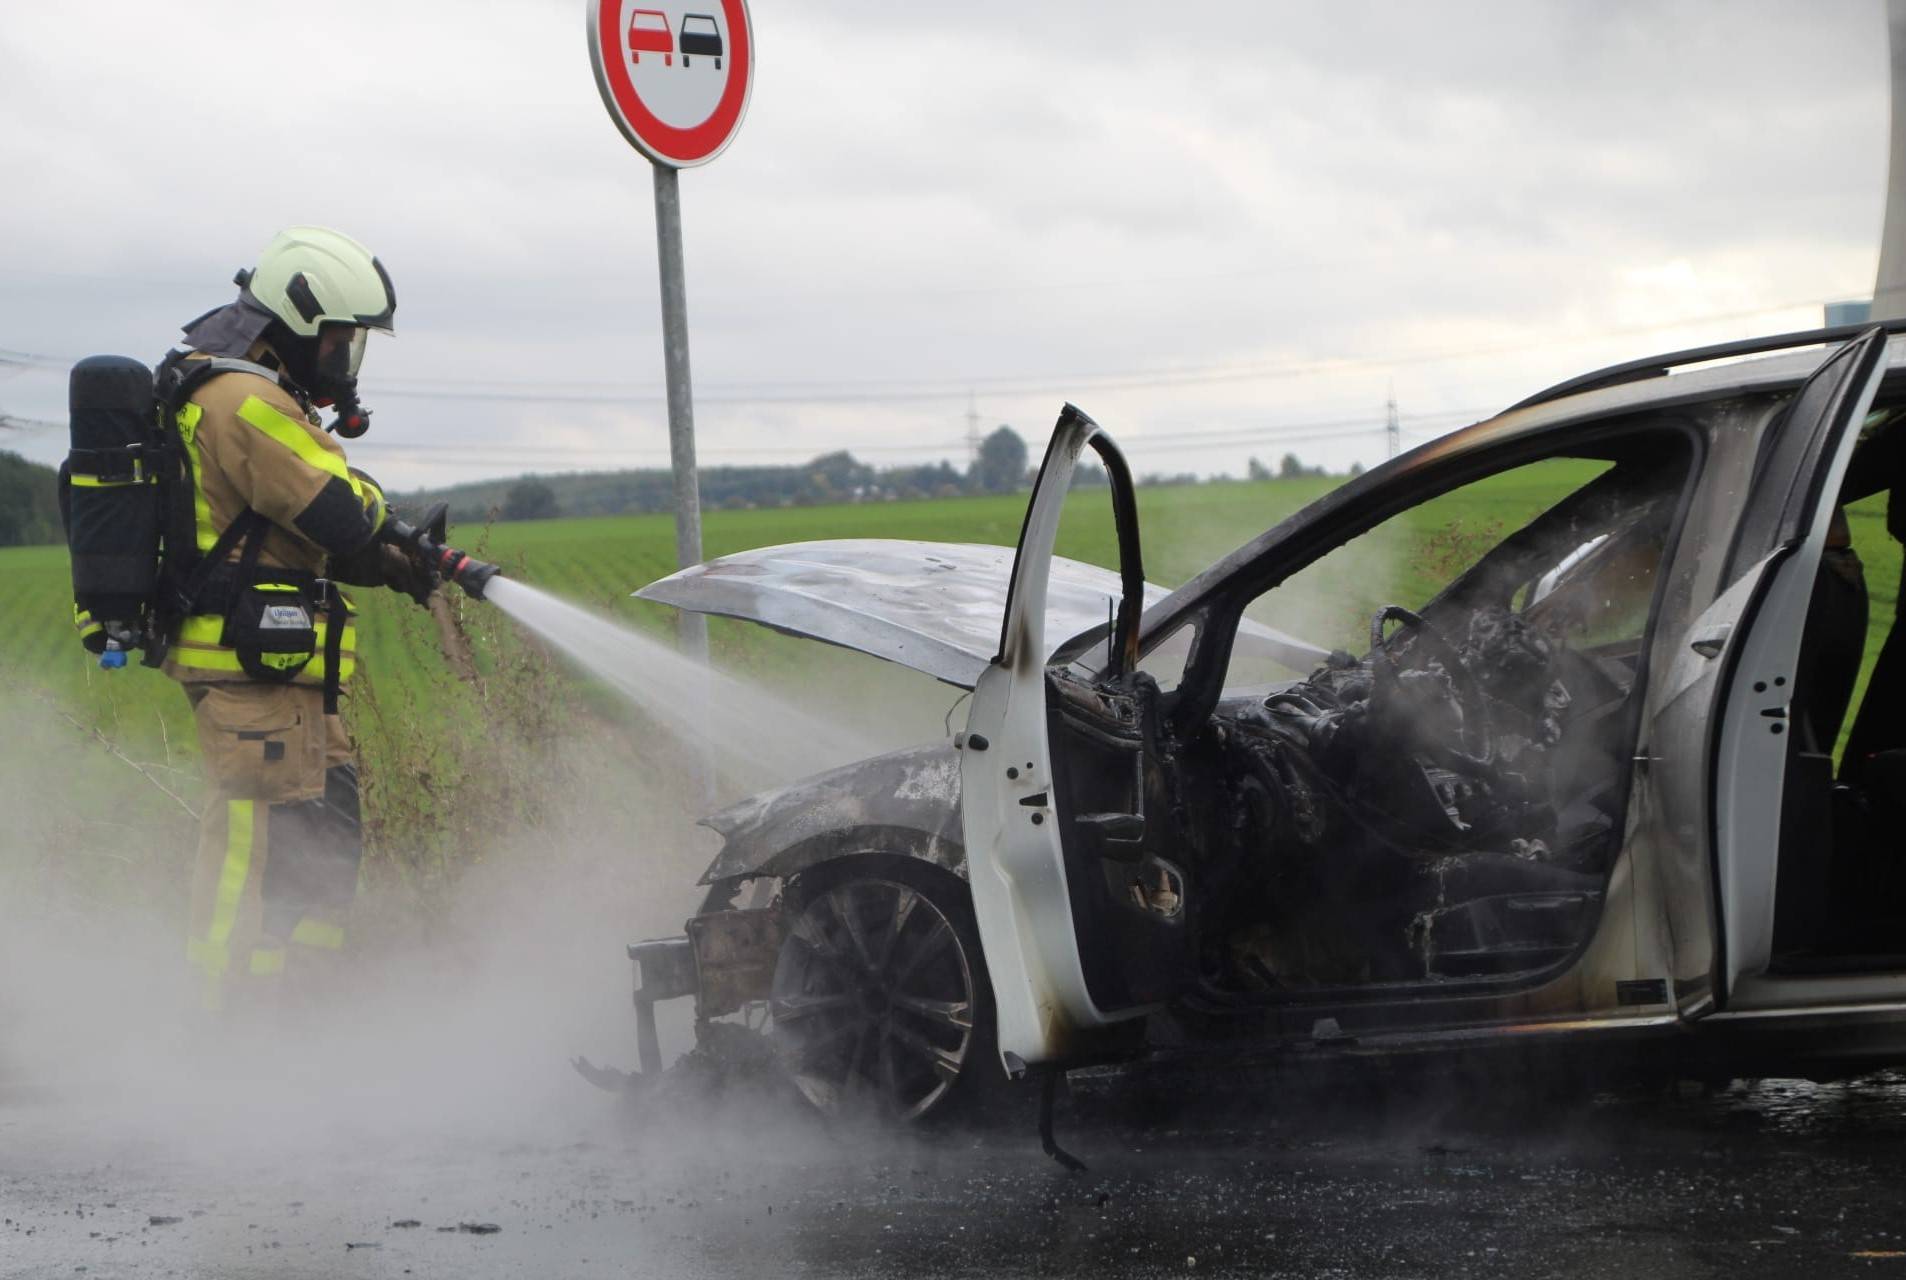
(861, 391)
(1193, 439)
(12, 422)
(906, 390)
(503, 450)
(31, 360)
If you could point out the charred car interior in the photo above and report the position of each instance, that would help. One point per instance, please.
(1442, 802)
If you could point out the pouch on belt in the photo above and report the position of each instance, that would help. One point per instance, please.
(262, 741)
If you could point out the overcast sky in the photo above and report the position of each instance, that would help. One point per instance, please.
(1223, 231)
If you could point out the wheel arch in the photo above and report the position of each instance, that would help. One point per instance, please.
(908, 799)
(869, 845)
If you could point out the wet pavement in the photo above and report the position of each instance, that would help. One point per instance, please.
(1767, 1179)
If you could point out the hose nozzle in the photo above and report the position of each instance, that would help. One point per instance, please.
(465, 570)
(424, 543)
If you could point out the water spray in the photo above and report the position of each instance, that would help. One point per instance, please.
(424, 543)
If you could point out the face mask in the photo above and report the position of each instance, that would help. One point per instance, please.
(338, 362)
(339, 359)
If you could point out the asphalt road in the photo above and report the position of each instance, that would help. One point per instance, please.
(1773, 1178)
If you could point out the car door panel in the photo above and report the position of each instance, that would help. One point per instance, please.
(1785, 522)
(1672, 792)
(1053, 804)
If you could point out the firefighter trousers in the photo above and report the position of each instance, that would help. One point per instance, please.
(279, 838)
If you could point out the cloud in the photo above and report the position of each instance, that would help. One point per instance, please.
(927, 198)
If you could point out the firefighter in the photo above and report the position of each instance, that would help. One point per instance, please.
(266, 644)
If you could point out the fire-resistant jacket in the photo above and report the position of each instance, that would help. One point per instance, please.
(251, 445)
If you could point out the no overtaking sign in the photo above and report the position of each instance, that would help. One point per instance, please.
(675, 77)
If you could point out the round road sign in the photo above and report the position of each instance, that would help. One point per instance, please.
(675, 76)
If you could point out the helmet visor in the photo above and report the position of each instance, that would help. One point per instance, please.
(341, 351)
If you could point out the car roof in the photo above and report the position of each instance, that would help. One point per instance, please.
(1680, 377)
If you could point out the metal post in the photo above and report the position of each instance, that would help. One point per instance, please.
(1889, 290)
(692, 628)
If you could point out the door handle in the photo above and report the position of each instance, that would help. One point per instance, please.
(1710, 641)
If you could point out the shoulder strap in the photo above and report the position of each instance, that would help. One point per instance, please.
(186, 571)
(179, 377)
(249, 528)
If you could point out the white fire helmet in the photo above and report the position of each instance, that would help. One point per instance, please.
(313, 276)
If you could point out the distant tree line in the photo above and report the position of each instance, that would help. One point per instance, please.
(1289, 467)
(29, 502)
(1002, 466)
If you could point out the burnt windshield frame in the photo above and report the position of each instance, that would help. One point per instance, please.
(1308, 543)
(1681, 426)
(1628, 476)
(1788, 477)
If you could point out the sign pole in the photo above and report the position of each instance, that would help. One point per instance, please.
(691, 628)
(676, 84)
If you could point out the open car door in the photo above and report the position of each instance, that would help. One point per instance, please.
(1081, 911)
(1770, 788)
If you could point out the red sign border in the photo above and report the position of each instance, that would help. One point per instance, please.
(662, 142)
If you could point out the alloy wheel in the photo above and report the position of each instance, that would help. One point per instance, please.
(873, 1000)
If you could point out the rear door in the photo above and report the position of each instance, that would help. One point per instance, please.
(1081, 914)
(1761, 798)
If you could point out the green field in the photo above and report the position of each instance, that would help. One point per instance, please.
(449, 764)
(600, 561)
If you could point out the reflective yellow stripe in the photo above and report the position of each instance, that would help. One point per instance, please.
(205, 659)
(209, 628)
(188, 421)
(213, 954)
(198, 647)
(296, 436)
(83, 622)
(79, 481)
(316, 933)
(203, 628)
(266, 961)
(240, 823)
(374, 504)
(226, 660)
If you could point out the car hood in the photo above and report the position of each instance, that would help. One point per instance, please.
(933, 606)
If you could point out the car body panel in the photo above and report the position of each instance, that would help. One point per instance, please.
(906, 802)
(1742, 380)
(1016, 859)
(931, 606)
(700, 35)
(649, 33)
(1753, 753)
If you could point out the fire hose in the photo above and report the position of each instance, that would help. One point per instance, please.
(424, 543)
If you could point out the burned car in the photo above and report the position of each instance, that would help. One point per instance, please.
(1524, 739)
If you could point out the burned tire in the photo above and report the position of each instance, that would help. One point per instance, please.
(880, 1003)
